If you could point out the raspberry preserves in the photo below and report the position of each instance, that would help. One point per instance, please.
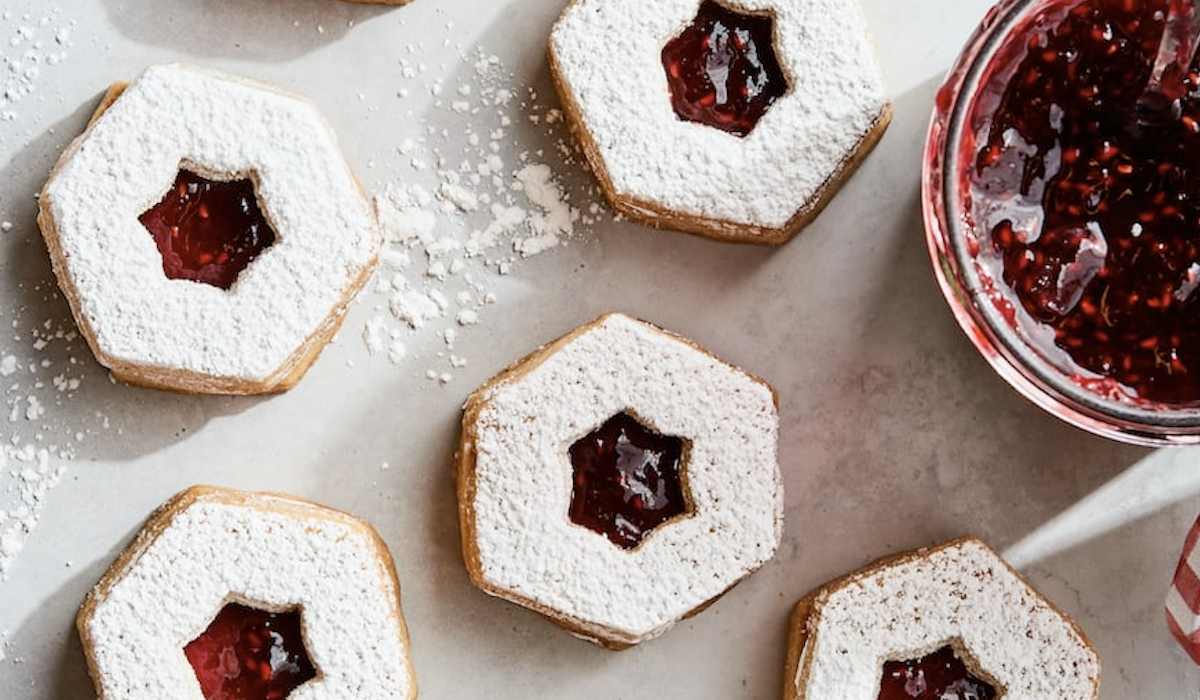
(1085, 185)
(626, 480)
(938, 676)
(208, 231)
(249, 654)
(722, 70)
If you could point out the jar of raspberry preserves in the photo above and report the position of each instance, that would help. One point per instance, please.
(1061, 195)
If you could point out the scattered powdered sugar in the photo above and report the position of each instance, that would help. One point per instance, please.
(33, 475)
(41, 371)
(471, 200)
(27, 44)
(498, 181)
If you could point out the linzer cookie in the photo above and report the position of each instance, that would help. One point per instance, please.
(953, 621)
(618, 480)
(207, 233)
(732, 119)
(226, 595)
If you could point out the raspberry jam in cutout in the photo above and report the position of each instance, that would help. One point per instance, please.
(938, 676)
(1085, 190)
(249, 654)
(208, 231)
(722, 70)
(626, 480)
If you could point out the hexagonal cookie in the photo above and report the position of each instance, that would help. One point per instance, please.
(950, 621)
(317, 583)
(644, 84)
(618, 480)
(147, 291)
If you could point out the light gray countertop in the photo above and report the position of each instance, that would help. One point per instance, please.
(895, 433)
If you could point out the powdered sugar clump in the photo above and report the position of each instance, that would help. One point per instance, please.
(29, 43)
(468, 206)
(554, 219)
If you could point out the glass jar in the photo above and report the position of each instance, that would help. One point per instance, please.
(1031, 354)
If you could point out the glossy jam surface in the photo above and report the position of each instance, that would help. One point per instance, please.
(627, 480)
(1085, 186)
(939, 676)
(249, 654)
(722, 70)
(208, 231)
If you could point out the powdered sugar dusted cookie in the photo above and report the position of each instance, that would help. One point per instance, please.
(225, 594)
(618, 480)
(732, 119)
(951, 621)
(207, 232)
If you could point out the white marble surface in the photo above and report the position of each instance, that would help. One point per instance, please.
(895, 433)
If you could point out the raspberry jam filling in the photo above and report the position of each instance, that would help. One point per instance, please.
(627, 480)
(1084, 184)
(938, 676)
(208, 231)
(722, 70)
(249, 654)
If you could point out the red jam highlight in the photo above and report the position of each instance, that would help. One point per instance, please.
(1084, 183)
(248, 654)
(938, 676)
(722, 70)
(208, 231)
(627, 480)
